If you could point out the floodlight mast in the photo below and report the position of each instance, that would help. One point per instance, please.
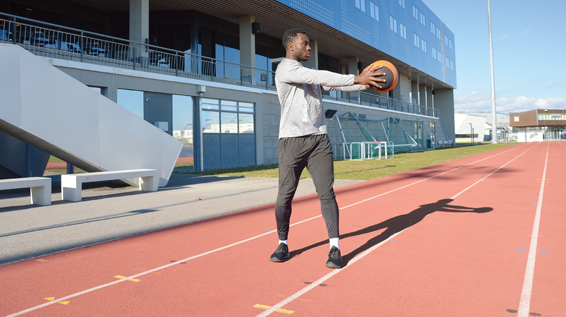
(493, 112)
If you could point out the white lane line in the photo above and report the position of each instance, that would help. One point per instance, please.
(231, 245)
(324, 278)
(525, 302)
(355, 259)
(458, 194)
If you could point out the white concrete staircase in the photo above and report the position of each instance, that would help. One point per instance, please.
(46, 108)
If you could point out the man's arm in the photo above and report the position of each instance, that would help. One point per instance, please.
(297, 74)
(351, 88)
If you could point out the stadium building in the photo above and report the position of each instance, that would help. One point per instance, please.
(203, 73)
(539, 125)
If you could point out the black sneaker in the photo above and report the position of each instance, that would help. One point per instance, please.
(334, 259)
(281, 254)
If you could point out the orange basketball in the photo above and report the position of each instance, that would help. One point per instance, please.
(391, 75)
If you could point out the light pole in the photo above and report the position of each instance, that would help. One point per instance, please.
(493, 112)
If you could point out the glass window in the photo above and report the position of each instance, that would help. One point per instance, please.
(183, 129)
(246, 123)
(229, 105)
(132, 101)
(246, 107)
(182, 117)
(228, 122)
(210, 104)
(210, 121)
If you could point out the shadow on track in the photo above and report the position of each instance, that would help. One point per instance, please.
(395, 225)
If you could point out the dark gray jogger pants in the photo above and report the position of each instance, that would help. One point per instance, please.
(315, 153)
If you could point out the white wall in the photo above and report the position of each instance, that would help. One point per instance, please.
(462, 126)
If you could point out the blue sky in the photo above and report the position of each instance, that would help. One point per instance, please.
(529, 52)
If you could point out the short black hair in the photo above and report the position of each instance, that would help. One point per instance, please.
(290, 34)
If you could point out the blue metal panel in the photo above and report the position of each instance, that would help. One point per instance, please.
(211, 150)
(229, 150)
(354, 18)
(246, 150)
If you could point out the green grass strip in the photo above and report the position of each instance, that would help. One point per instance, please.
(369, 169)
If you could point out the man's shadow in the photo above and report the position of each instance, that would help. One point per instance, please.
(394, 225)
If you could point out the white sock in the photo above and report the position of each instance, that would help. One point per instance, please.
(334, 243)
(283, 241)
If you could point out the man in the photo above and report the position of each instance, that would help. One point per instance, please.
(303, 138)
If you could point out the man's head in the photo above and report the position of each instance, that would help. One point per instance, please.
(296, 43)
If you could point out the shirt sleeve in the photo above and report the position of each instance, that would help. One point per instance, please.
(345, 88)
(297, 74)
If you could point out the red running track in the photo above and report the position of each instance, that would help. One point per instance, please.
(454, 239)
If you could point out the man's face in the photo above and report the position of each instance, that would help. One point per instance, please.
(300, 47)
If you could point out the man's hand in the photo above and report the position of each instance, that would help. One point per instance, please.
(370, 79)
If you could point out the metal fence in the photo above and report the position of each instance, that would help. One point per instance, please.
(55, 41)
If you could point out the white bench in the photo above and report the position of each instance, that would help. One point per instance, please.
(40, 188)
(72, 184)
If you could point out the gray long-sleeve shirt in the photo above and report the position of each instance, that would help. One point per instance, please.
(299, 91)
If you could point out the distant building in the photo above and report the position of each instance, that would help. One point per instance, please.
(539, 124)
(469, 127)
(504, 130)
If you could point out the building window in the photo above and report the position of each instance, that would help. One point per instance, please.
(402, 3)
(131, 100)
(423, 45)
(374, 11)
(210, 121)
(402, 31)
(363, 5)
(516, 118)
(417, 40)
(432, 28)
(393, 24)
(434, 53)
(226, 116)
(415, 13)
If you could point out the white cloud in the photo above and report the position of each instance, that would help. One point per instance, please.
(476, 102)
(526, 31)
(504, 37)
(550, 84)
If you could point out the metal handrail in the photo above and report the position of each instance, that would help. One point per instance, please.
(47, 39)
(94, 48)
